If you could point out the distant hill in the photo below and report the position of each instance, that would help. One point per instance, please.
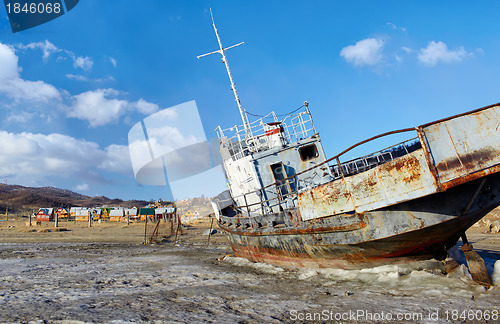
(23, 200)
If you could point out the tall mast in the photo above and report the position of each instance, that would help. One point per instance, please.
(222, 51)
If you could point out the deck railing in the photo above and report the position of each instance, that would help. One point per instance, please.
(349, 168)
(293, 127)
(337, 171)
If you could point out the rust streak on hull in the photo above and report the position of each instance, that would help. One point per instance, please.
(418, 235)
(316, 230)
(419, 244)
(411, 200)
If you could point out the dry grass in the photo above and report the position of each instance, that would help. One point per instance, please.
(17, 231)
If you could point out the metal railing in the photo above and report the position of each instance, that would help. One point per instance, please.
(370, 161)
(338, 170)
(293, 127)
(362, 164)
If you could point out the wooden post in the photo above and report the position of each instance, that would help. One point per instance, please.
(7, 214)
(29, 220)
(90, 219)
(128, 218)
(145, 230)
(178, 218)
(57, 219)
(154, 236)
(210, 233)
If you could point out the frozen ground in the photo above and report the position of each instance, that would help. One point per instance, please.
(120, 283)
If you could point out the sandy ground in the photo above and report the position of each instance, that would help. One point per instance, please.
(17, 231)
(104, 274)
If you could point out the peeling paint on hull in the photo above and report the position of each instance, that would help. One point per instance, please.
(419, 229)
(413, 205)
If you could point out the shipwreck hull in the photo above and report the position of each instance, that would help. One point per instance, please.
(414, 205)
(287, 204)
(417, 229)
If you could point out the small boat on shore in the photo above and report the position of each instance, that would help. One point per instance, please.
(289, 205)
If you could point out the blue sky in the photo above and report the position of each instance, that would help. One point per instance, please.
(71, 89)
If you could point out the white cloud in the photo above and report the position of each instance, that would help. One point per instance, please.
(23, 145)
(98, 107)
(159, 141)
(12, 85)
(20, 117)
(101, 107)
(32, 158)
(167, 138)
(117, 159)
(82, 187)
(84, 63)
(28, 154)
(170, 115)
(364, 52)
(145, 107)
(37, 91)
(394, 27)
(406, 49)
(113, 61)
(77, 77)
(83, 78)
(47, 48)
(437, 52)
(8, 63)
(173, 139)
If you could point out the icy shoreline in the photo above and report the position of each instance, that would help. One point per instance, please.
(119, 283)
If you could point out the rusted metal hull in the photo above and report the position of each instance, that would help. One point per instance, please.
(415, 205)
(454, 151)
(417, 229)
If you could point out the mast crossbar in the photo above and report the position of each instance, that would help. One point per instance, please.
(222, 51)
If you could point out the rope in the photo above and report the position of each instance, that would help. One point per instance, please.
(276, 115)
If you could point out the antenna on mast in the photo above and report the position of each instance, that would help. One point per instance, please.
(222, 50)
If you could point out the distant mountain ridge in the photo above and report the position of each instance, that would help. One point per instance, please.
(23, 200)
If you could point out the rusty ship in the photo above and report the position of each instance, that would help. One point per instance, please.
(289, 205)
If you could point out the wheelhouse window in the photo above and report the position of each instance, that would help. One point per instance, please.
(308, 152)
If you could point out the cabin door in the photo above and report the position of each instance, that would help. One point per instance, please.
(279, 173)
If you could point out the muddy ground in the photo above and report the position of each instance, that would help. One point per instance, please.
(104, 274)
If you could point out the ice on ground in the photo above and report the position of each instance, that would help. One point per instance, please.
(262, 267)
(495, 277)
(419, 278)
(104, 283)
